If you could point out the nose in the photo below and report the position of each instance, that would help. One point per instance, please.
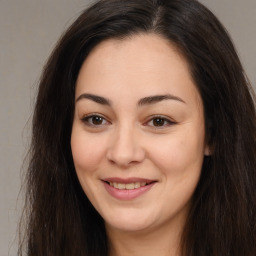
(125, 148)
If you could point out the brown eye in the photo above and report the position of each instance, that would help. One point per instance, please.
(158, 121)
(95, 120)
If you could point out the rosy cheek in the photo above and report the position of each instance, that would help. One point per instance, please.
(176, 156)
(87, 153)
(165, 149)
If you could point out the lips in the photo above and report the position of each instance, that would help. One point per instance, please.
(127, 189)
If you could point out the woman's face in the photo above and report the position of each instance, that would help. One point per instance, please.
(138, 136)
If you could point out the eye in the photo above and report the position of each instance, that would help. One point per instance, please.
(94, 120)
(159, 122)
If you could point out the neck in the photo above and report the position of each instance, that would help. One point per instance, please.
(165, 241)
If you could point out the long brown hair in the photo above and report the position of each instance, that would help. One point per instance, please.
(60, 220)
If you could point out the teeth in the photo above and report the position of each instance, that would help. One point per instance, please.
(136, 185)
(120, 186)
(128, 186)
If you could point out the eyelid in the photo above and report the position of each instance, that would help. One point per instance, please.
(166, 119)
(86, 117)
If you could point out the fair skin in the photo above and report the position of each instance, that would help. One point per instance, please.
(138, 142)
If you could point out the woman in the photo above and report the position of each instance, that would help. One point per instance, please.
(143, 137)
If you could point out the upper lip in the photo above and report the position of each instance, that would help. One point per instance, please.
(128, 180)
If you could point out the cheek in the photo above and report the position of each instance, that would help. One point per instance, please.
(87, 152)
(180, 162)
(179, 155)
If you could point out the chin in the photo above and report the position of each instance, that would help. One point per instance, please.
(128, 226)
(130, 221)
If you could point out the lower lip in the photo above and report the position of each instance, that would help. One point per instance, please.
(127, 194)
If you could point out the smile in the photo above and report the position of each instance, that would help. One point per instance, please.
(127, 189)
(127, 186)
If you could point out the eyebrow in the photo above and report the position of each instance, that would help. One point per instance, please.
(143, 101)
(157, 98)
(95, 98)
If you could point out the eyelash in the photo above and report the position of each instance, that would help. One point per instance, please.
(167, 122)
(164, 122)
(86, 120)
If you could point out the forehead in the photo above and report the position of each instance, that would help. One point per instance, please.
(138, 65)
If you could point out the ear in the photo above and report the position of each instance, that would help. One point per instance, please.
(207, 150)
